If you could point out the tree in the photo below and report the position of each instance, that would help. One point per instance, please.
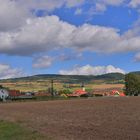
(132, 84)
(65, 91)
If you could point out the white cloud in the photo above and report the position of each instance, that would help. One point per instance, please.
(134, 3)
(70, 56)
(49, 5)
(38, 35)
(12, 15)
(50, 33)
(98, 6)
(112, 2)
(42, 62)
(73, 3)
(78, 11)
(137, 57)
(6, 71)
(91, 70)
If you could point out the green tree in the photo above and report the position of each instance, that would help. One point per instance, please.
(65, 91)
(132, 84)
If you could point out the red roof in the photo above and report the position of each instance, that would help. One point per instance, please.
(122, 94)
(115, 92)
(78, 93)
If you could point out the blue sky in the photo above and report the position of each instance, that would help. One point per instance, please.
(69, 37)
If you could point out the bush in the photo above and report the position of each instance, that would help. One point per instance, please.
(65, 91)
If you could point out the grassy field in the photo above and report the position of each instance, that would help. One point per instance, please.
(13, 131)
(31, 86)
(44, 85)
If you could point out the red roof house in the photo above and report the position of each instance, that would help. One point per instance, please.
(117, 93)
(78, 93)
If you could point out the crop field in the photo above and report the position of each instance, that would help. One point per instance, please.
(100, 118)
(44, 85)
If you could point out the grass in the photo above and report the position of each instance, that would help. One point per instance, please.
(13, 131)
(39, 86)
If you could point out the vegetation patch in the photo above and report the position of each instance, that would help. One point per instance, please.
(13, 131)
(132, 84)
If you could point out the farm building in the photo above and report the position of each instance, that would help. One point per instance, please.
(14, 93)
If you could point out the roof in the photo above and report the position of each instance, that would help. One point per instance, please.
(122, 94)
(77, 93)
(80, 91)
(115, 92)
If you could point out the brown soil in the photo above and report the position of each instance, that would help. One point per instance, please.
(104, 118)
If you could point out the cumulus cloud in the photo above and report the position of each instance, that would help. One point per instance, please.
(12, 15)
(38, 35)
(6, 71)
(48, 5)
(50, 33)
(47, 33)
(78, 11)
(42, 62)
(23, 34)
(137, 57)
(98, 6)
(134, 3)
(91, 70)
(68, 57)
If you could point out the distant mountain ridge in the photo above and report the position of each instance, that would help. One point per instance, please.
(136, 72)
(70, 78)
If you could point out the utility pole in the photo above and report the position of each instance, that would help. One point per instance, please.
(52, 88)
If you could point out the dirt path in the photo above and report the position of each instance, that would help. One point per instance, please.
(86, 119)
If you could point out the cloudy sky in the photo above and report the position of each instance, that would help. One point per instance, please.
(69, 37)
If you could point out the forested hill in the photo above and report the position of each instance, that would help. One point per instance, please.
(136, 72)
(70, 78)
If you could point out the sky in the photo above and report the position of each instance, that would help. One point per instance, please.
(71, 37)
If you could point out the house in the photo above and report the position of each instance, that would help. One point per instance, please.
(14, 93)
(117, 93)
(79, 93)
(3, 94)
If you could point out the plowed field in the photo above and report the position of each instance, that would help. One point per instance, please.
(104, 118)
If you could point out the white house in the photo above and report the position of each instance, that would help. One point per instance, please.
(3, 94)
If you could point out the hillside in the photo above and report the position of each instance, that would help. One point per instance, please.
(136, 72)
(43, 82)
(70, 78)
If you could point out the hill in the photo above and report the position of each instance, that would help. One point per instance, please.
(136, 72)
(70, 78)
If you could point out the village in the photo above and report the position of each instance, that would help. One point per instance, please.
(79, 91)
